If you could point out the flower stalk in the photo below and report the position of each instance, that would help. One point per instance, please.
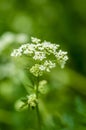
(37, 106)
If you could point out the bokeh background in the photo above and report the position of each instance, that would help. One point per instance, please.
(59, 21)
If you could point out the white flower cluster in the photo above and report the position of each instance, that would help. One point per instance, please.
(39, 69)
(44, 53)
(32, 100)
(61, 57)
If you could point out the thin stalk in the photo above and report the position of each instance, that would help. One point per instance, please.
(37, 108)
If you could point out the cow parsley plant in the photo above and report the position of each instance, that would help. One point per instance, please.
(44, 57)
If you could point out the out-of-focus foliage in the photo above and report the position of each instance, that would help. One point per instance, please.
(59, 21)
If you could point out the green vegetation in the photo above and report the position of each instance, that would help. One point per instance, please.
(63, 107)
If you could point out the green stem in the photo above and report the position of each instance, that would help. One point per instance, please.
(37, 108)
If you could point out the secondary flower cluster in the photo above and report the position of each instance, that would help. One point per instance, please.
(44, 53)
(31, 100)
(43, 88)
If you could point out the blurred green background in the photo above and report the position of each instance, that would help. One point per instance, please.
(59, 21)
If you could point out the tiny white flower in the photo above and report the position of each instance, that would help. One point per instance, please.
(49, 64)
(39, 47)
(27, 52)
(51, 48)
(39, 56)
(35, 40)
(31, 47)
(42, 67)
(16, 53)
(24, 46)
